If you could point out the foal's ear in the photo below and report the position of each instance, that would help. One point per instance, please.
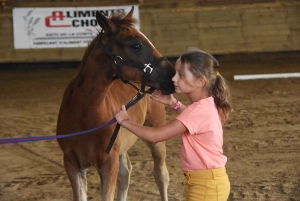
(104, 22)
(130, 12)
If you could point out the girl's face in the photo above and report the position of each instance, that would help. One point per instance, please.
(184, 81)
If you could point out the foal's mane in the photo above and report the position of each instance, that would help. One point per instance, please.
(88, 50)
(120, 19)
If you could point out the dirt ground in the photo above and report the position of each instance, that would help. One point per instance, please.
(261, 138)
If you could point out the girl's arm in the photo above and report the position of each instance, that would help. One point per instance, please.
(150, 134)
(173, 102)
(169, 100)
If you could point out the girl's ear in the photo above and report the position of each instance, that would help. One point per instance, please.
(201, 82)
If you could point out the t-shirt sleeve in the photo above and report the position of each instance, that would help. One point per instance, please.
(192, 118)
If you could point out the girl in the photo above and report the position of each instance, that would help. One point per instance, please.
(200, 124)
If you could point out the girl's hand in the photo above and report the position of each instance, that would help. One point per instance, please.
(121, 115)
(165, 99)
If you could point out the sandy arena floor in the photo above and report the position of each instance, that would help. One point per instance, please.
(262, 136)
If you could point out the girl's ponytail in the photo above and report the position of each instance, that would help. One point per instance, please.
(221, 97)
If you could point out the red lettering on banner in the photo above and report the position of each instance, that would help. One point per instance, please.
(55, 15)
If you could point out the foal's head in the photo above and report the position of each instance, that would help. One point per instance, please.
(134, 52)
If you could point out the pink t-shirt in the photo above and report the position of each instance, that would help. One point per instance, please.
(202, 142)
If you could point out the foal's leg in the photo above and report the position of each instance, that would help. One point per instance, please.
(160, 171)
(77, 178)
(123, 176)
(156, 117)
(108, 172)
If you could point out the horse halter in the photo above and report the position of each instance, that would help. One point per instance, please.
(146, 68)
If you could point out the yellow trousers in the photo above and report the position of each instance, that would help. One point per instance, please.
(207, 185)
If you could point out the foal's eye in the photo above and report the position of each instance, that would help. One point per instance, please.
(136, 47)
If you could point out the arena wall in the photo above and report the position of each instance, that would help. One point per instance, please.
(219, 29)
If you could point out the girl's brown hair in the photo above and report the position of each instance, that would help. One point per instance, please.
(202, 64)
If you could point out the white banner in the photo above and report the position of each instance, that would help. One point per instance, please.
(60, 27)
